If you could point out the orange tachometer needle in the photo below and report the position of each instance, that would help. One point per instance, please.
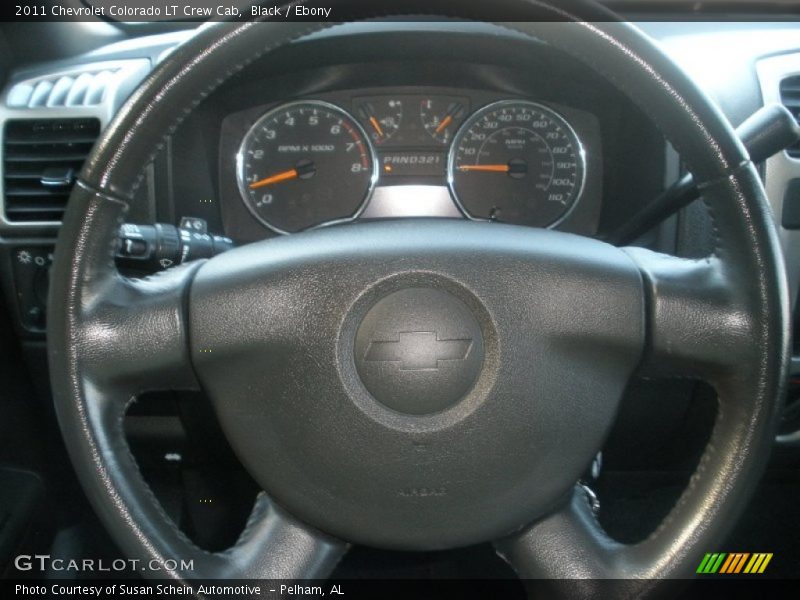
(443, 125)
(278, 177)
(488, 168)
(376, 125)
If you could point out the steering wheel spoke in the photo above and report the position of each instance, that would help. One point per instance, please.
(567, 554)
(129, 335)
(569, 544)
(135, 332)
(274, 545)
(694, 325)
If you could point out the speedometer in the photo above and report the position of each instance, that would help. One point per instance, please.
(305, 164)
(517, 162)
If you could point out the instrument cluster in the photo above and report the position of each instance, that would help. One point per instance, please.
(318, 160)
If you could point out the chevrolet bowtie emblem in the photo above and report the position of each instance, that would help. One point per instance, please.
(417, 350)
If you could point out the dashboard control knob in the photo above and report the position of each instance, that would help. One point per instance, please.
(160, 246)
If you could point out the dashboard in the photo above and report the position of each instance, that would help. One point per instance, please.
(411, 151)
(434, 124)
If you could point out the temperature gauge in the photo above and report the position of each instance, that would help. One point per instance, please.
(441, 117)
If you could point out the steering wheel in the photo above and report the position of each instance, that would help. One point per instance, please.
(505, 349)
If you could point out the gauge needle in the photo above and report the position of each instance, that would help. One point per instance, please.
(443, 125)
(278, 177)
(376, 125)
(488, 168)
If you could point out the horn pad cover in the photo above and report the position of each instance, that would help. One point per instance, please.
(419, 350)
(429, 395)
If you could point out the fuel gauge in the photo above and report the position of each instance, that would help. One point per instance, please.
(381, 116)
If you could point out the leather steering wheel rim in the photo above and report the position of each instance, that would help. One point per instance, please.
(722, 319)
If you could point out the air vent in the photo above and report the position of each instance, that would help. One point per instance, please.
(790, 96)
(85, 89)
(41, 158)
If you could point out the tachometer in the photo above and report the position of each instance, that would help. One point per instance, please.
(305, 164)
(517, 162)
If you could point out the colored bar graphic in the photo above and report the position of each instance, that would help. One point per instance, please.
(734, 563)
(731, 560)
(711, 563)
(741, 562)
(758, 563)
(703, 563)
(718, 562)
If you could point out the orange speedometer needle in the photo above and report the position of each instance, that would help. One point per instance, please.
(488, 168)
(443, 125)
(277, 178)
(376, 125)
